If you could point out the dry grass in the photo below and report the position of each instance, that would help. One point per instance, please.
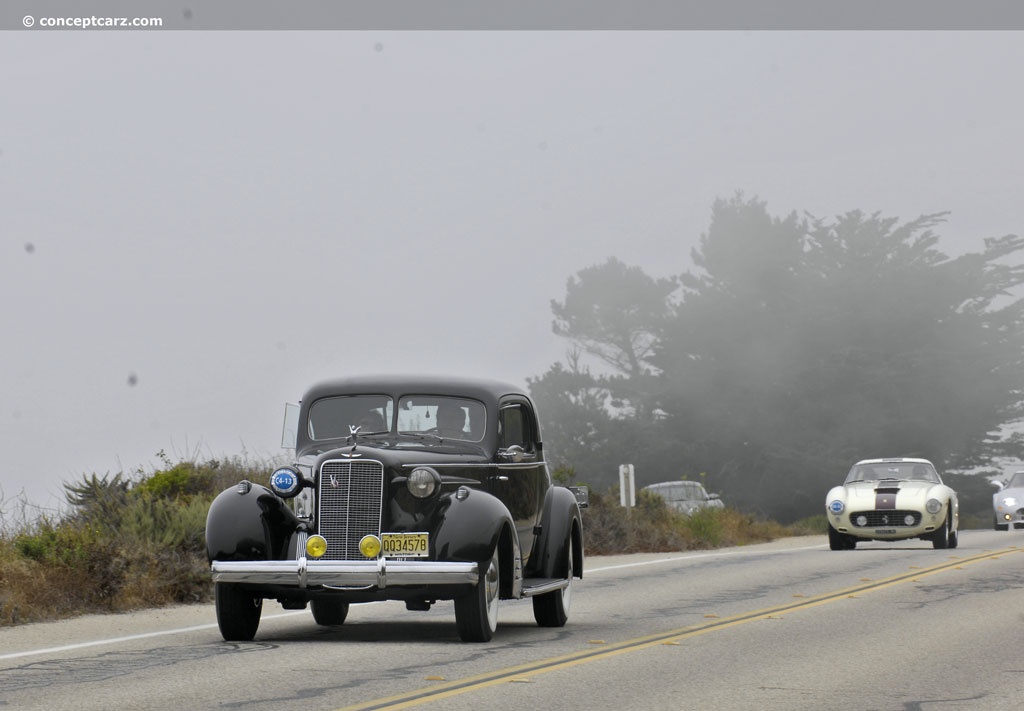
(653, 527)
(126, 543)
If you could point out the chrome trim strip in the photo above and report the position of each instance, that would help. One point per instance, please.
(502, 465)
(352, 573)
(300, 552)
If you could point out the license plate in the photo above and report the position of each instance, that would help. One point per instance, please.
(404, 545)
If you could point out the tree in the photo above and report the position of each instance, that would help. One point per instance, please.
(799, 345)
(614, 313)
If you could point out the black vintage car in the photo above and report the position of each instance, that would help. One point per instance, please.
(403, 488)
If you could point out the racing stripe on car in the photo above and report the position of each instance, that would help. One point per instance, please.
(885, 499)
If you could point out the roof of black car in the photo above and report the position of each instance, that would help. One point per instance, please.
(397, 385)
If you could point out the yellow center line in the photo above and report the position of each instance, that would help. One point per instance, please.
(507, 674)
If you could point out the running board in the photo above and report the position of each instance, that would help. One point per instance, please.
(539, 586)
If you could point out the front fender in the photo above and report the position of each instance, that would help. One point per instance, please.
(561, 522)
(249, 523)
(471, 527)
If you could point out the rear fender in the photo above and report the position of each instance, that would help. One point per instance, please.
(561, 521)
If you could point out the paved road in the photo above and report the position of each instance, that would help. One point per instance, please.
(786, 625)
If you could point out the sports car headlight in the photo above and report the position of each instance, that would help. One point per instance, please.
(836, 507)
(862, 520)
(1009, 501)
(423, 481)
(933, 506)
(285, 482)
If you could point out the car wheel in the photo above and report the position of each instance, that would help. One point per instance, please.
(942, 538)
(476, 613)
(552, 609)
(238, 612)
(840, 542)
(1000, 526)
(329, 612)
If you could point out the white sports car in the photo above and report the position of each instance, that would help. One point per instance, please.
(892, 500)
(1008, 503)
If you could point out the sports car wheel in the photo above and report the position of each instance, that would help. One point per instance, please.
(1000, 526)
(238, 612)
(945, 538)
(329, 612)
(476, 613)
(840, 542)
(552, 609)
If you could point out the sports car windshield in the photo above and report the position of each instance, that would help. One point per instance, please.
(906, 471)
(1017, 482)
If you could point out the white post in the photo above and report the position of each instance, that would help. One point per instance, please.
(627, 486)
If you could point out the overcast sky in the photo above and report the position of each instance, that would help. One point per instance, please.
(196, 226)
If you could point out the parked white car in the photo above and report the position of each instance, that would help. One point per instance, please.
(685, 496)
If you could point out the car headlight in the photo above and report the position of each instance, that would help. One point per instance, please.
(423, 482)
(285, 482)
(933, 506)
(862, 520)
(836, 507)
(1009, 501)
(316, 546)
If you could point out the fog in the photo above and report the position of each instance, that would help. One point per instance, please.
(199, 225)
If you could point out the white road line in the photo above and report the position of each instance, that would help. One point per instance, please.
(695, 556)
(129, 638)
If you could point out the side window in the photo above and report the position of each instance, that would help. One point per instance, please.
(514, 426)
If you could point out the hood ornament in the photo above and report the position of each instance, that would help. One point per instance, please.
(353, 433)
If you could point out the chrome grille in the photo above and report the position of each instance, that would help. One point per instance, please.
(349, 505)
(885, 518)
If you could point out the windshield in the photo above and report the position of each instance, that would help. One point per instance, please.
(1017, 482)
(445, 417)
(333, 417)
(916, 471)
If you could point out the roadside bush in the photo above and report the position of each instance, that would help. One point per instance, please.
(654, 527)
(127, 542)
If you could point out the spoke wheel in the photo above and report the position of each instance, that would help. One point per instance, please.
(552, 609)
(476, 613)
(238, 612)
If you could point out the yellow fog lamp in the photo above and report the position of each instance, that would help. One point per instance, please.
(370, 546)
(316, 546)
(1007, 517)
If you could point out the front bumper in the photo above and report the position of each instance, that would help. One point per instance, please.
(928, 525)
(345, 574)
